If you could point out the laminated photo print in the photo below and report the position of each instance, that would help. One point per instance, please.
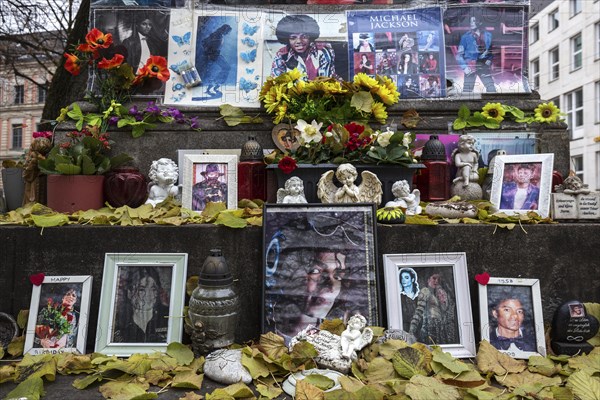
(215, 57)
(484, 49)
(404, 45)
(314, 43)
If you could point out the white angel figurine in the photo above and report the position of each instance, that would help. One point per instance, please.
(369, 191)
(163, 175)
(355, 337)
(293, 193)
(405, 199)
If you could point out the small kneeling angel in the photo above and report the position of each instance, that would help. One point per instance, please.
(369, 191)
(293, 193)
(355, 337)
(405, 199)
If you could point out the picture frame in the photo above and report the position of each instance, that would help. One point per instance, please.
(319, 262)
(429, 278)
(501, 303)
(154, 279)
(181, 153)
(57, 295)
(209, 177)
(535, 171)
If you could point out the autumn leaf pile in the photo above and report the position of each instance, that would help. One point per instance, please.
(389, 370)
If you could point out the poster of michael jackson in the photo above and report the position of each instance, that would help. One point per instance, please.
(404, 45)
(484, 49)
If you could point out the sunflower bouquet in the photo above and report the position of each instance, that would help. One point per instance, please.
(328, 100)
(492, 114)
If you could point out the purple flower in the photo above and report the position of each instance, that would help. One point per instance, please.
(194, 123)
(133, 110)
(113, 120)
(152, 108)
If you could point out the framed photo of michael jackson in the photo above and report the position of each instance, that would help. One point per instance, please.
(511, 316)
(319, 263)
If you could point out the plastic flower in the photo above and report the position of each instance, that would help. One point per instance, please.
(155, 67)
(98, 40)
(309, 132)
(547, 112)
(287, 164)
(379, 112)
(114, 62)
(383, 139)
(494, 111)
(73, 64)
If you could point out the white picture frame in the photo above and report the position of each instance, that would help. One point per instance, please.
(58, 289)
(181, 153)
(454, 332)
(517, 296)
(125, 274)
(195, 168)
(537, 173)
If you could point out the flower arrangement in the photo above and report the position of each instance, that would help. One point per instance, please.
(116, 83)
(327, 99)
(53, 320)
(84, 153)
(492, 114)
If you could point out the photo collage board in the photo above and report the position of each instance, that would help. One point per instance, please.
(428, 51)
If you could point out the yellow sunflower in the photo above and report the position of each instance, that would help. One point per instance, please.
(365, 81)
(388, 97)
(547, 112)
(379, 112)
(323, 87)
(281, 112)
(391, 86)
(494, 111)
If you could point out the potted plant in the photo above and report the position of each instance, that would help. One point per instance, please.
(76, 169)
(338, 132)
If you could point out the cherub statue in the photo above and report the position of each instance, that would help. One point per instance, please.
(292, 193)
(466, 160)
(369, 191)
(355, 337)
(405, 199)
(163, 175)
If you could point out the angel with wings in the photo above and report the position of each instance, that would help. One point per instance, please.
(369, 191)
(292, 193)
(355, 337)
(405, 199)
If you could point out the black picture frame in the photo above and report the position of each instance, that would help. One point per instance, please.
(301, 243)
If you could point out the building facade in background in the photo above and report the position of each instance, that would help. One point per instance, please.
(564, 66)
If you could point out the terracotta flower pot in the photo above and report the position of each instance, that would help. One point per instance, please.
(70, 193)
(125, 186)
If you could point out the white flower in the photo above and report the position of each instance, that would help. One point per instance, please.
(372, 148)
(309, 133)
(407, 139)
(329, 134)
(383, 139)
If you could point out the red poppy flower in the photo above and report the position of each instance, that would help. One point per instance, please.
(287, 164)
(72, 64)
(354, 128)
(112, 63)
(98, 40)
(156, 67)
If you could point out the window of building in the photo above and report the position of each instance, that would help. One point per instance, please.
(42, 92)
(534, 33)
(534, 73)
(597, 100)
(17, 137)
(576, 52)
(556, 101)
(577, 164)
(554, 63)
(19, 94)
(597, 45)
(575, 7)
(553, 20)
(574, 105)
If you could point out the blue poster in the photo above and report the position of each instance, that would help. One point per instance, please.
(404, 45)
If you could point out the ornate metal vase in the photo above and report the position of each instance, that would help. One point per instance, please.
(214, 306)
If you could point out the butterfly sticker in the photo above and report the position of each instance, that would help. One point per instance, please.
(248, 56)
(247, 86)
(177, 98)
(183, 40)
(250, 30)
(177, 68)
(177, 86)
(249, 42)
(249, 70)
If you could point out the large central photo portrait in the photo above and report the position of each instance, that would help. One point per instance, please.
(319, 264)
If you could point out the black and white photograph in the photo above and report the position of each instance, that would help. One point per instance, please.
(427, 296)
(511, 318)
(137, 34)
(319, 264)
(141, 304)
(58, 315)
